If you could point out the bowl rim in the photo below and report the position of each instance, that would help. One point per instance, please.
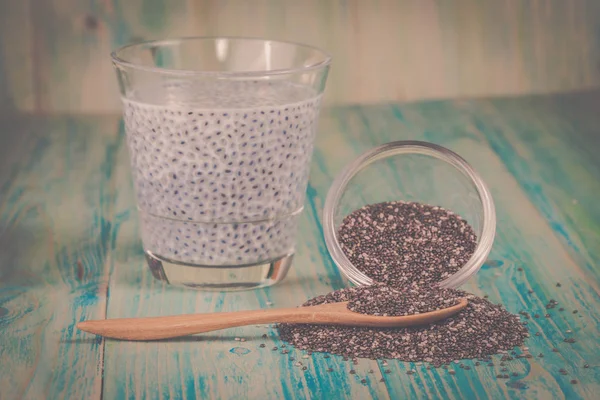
(395, 148)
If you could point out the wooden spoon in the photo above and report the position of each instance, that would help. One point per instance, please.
(152, 328)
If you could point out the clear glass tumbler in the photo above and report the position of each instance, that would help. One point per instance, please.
(220, 134)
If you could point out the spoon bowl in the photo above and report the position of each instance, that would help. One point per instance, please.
(154, 328)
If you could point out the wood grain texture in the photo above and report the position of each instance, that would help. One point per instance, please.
(54, 56)
(66, 195)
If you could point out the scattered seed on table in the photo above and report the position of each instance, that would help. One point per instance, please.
(382, 380)
(547, 315)
(558, 284)
(452, 372)
(274, 348)
(515, 374)
(555, 350)
(326, 356)
(304, 368)
(562, 371)
(574, 381)
(538, 333)
(561, 309)
(387, 371)
(264, 336)
(477, 364)
(262, 346)
(363, 381)
(569, 331)
(575, 311)
(586, 366)
(569, 340)
(536, 316)
(329, 369)
(520, 269)
(352, 372)
(409, 372)
(530, 291)
(540, 355)
(292, 358)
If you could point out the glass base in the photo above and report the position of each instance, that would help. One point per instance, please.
(219, 278)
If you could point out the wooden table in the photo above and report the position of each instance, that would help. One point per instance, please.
(69, 251)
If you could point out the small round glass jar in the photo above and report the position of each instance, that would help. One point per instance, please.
(416, 172)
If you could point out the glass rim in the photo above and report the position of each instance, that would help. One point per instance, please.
(115, 55)
(408, 147)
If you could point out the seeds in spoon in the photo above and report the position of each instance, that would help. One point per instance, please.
(381, 300)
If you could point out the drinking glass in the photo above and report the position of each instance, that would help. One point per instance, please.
(220, 133)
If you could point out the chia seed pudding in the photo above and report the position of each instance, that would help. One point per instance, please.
(220, 171)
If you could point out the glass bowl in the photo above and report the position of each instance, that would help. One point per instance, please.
(416, 172)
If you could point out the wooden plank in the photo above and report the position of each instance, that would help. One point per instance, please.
(56, 194)
(384, 50)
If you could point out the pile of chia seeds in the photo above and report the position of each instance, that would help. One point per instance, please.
(382, 300)
(406, 244)
(407, 249)
(478, 331)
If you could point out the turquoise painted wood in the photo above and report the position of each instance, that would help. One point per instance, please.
(69, 250)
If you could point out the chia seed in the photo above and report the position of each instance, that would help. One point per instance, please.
(407, 249)
(384, 301)
(478, 331)
(406, 244)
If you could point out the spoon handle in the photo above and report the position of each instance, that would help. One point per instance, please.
(153, 328)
